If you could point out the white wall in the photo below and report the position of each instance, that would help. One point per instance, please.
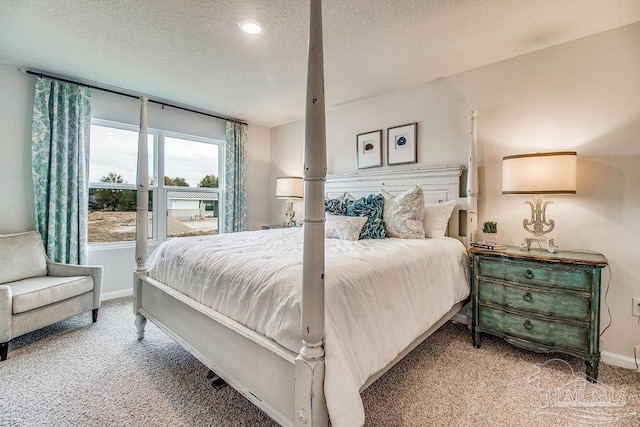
(16, 188)
(258, 176)
(290, 159)
(16, 193)
(582, 96)
(441, 114)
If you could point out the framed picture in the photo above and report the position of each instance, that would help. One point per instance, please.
(402, 146)
(369, 149)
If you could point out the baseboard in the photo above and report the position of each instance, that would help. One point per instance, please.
(117, 294)
(616, 359)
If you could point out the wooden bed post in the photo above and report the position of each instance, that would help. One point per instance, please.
(472, 184)
(310, 406)
(142, 210)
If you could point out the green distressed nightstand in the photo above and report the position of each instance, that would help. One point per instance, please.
(539, 301)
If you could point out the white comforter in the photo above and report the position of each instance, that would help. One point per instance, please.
(379, 295)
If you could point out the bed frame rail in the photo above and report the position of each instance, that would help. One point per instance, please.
(254, 365)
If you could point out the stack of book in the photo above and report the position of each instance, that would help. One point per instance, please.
(490, 246)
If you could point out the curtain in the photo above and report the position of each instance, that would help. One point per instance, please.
(59, 159)
(235, 203)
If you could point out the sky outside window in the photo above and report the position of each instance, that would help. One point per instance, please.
(191, 160)
(115, 150)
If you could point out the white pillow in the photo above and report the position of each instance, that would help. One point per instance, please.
(404, 214)
(341, 197)
(436, 218)
(343, 227)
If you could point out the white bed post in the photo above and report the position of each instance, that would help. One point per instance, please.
(142, 210)
(472, 184)
(310, 406)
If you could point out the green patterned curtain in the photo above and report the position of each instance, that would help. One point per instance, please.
(59, 159)
(235, 203)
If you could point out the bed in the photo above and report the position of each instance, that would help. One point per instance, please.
(297, 323)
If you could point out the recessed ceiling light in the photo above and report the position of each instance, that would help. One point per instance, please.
(250, 25)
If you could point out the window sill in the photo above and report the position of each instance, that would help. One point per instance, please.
(108, 246)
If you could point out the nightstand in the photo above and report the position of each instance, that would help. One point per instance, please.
(539, 301)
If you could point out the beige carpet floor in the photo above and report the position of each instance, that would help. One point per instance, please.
(76, 373)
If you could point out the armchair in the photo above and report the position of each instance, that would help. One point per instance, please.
(36, 292)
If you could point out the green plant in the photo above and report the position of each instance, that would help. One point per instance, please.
(490, 227)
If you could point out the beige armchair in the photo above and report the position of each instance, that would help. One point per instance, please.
(36, 292)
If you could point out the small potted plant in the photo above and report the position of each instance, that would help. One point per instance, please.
(490, 227)
(490, 230)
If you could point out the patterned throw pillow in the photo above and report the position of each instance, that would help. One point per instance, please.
(335, 206)
(343, 227)
(403, 214)
(372, 207)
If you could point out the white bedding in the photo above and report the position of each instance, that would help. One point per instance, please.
(380, 295)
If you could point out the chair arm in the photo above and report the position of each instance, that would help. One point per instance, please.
(6, 312)
(58, 269)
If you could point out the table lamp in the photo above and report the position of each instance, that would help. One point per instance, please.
(539, 174)
(290, 188)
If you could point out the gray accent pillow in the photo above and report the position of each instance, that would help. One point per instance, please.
(21, 256)
(343, 227)
(404, 213)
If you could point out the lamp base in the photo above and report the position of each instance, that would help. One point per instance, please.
(550, 247)
(289, 214)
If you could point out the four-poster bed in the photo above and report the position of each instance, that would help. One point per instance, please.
(290, 377)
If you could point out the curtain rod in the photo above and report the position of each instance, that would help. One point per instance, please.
(116, 92)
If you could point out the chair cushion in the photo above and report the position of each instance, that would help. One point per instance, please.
(21, 256)
(40, 291)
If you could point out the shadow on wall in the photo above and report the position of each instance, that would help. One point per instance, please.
(605, 185)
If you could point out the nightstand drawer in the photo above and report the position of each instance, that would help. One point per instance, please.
(535, 274)
(570, 306)
(549, 333)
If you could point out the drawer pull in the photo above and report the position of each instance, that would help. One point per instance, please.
(528, 325)
(528, 274)
(527, 297)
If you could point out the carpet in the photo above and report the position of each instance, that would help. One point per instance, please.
(76, 373)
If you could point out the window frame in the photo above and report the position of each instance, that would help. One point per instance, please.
(157, 169)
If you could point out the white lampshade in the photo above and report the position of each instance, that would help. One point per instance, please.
(289, 187)
(540, 173)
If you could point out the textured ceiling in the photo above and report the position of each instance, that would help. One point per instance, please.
(191, 52)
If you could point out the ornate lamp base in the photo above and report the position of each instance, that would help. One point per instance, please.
(550, 247)
(289, 214)
(539, 221)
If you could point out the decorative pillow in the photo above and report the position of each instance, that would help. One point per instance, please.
(21, 256)
(370, 206)
(436, 218)
(336, 206)
(404, 214)
(343, 227)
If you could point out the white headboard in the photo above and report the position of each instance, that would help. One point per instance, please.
(439, 183)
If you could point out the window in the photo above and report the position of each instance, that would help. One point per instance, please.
(188, 193)
(190, 186)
